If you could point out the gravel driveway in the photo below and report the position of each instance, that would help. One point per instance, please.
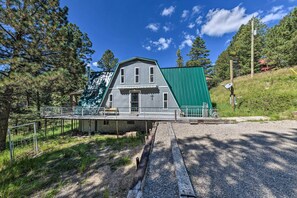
(241, 160)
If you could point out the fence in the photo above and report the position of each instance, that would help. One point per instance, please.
(185, 111)
(22, 138)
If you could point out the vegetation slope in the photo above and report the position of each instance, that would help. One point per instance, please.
(272, 93)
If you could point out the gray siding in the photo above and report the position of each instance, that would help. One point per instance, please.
(151, 99)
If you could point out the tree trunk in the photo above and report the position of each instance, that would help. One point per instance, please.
(5, 106)
(38, 109)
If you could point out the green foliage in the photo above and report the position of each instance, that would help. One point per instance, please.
(199, 54)
(180, 60)
(281, 42)
(43, 54)
(240, 51)
(270, 94)
(108, 61)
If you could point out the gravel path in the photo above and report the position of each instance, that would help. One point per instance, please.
(241, 160)
(161, 180)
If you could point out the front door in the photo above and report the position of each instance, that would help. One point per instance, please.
(134, 102)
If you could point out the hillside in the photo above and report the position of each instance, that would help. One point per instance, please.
(272, 93)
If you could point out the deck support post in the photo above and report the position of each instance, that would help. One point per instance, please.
(90, 128)
(146, 129)
(61, 126)
(117, 128)
(45, 126)
(71, 125)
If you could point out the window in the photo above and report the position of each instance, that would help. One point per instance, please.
(136, 77)
(165, 100)
(106, 122)
(122, 76)
(110, 100)
(151, 74)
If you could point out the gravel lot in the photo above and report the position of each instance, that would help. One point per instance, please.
(241, 160)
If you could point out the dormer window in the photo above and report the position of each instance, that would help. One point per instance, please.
(151, 75)
(136, 76)
(122, 76)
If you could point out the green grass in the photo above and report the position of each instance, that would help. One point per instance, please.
(61, 155)
(272, 94)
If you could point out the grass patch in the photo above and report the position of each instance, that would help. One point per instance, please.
(62, 156)
(270, 94)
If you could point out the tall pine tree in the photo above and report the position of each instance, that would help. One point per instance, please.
(108, 61)
(180, 60)
(199, 54)
(38, 49)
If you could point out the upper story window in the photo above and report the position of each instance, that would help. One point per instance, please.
(151, 75)
(110, 100)
(165, 100)
(122, 76)
(136, 76)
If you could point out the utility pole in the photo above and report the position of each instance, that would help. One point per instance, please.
(252, 49)
(232, 87)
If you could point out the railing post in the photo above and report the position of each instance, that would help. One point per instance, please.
(175, 115)
(10, 146)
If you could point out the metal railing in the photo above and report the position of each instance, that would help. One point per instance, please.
(185, 111)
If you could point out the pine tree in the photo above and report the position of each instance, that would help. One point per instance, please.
(180, 60)
(108, 61)
(39, 49)
(281, 42)
(199, 54)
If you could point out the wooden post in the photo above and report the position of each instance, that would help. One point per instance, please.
(232, 87)
(45, 126)
(117, 128)
(71, 125)
(252, 49)
(90, 128)
(146, 129)
(61, 126)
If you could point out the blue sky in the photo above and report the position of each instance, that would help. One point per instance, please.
(157, 28)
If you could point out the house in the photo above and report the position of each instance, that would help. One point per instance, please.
(138, 93)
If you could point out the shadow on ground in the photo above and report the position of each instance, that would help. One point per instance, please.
(260, 164)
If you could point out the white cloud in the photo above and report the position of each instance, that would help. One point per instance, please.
(199, 20)
(276, 8)
(95, 64)
(191, 25)
(148, 48)
(228, 42)
(221, 21)
(168, 11)
(188, 41)
(153, 27)
(166, 28)
(162, 43)
(276, 13)
(196, 9)
(185, 14)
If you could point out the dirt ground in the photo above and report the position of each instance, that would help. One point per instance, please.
(250, 159)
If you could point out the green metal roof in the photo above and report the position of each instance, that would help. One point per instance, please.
(188, 85)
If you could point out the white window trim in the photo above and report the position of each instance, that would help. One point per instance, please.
(135, 75)
(152, 74)
(121, 76)
(164, 100)
(110, 101)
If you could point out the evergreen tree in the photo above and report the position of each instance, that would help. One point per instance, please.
(39, 50)
(108, 61)
(199, 54)
(281, 42)
(180, 60)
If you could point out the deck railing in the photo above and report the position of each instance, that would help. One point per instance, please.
(185, 111)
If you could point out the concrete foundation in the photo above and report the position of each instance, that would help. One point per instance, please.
(110, 126)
